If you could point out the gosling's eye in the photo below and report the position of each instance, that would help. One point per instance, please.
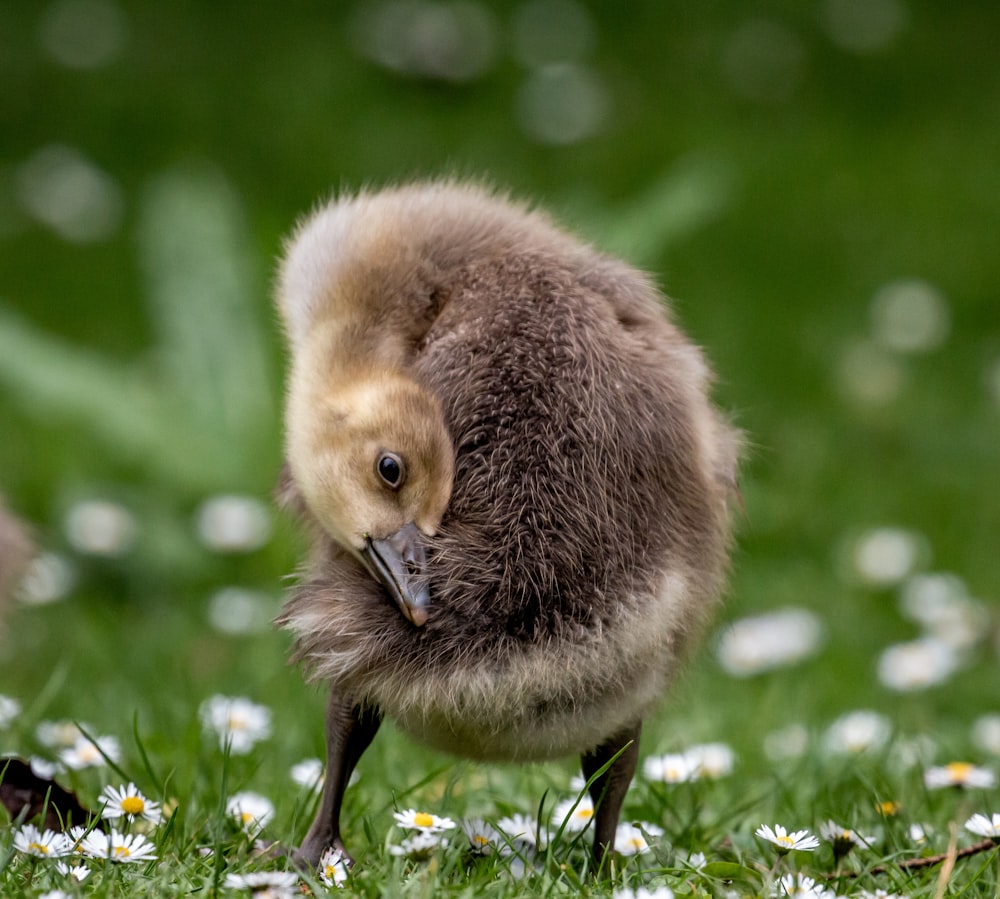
(390, 469)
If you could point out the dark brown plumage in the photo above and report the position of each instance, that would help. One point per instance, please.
(566, 531)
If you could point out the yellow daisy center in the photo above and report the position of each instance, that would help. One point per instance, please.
(246, 818)
(846, 835)
(236, 722)
(480, 840)
(584, 813)
(133, 805)
(39, 847)
(121, 852)
(959, 771)
(785, 840)
(888, 807)
(422, 819)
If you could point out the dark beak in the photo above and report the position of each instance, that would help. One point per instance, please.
(398, 563)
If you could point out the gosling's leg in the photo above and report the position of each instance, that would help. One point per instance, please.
(608, 791)
(350, 729)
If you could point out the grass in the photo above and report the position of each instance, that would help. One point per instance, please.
(176, 762)
(142, 367)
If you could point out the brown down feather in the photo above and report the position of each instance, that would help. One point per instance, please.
(586, 538)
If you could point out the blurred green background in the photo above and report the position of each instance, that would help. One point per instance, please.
(815, 183)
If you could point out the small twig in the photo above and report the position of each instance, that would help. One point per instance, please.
(926, 862)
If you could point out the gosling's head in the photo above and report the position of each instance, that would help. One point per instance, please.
(374, 463)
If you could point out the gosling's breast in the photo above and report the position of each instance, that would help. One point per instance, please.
(563, 698)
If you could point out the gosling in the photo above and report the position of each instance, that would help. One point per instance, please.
(516, 485)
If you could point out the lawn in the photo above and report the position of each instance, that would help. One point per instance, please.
(815, 184)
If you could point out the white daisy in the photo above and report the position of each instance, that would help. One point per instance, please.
(917, 664)
(960, 774)
(711, 760)
(643, 893)
(520, 827)
(75, 836)
(100, 528)
(251, 810)
(984, 826)
(577, 783)
(858, 731)
(41, 843)
(762, 642)
(941, 604)
(886, 556)
(238, 722)
(238, 611)
(909, 752)
(233, 524)
(49, 578)
(800, 840)
(54, 894)
(118, 847)
(62, 734)
(484, 839)
(420, 845)
(79, 873)
(423, 821)
(879, 894)
(308, 773)
(630, 839)
(87, 753)
(672, 768)
(800, 885)
(44, 768)
(333, 868)
(9, 709)
(843, 839)
(574, 814)
(789, 742)
(918, 833)
(986, 733)
(128, 801)
(265, 884)
(694, 860)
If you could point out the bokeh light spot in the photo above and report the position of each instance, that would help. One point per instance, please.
(65, 191)
(885, 556)
(910, 316)
(869, 376)
(49, 579)
(100, 527)
(864, 26)
(447, 41)
(83, 34)
(230, 523)
(237, 611)
(563, 103)
(547, 31)
(763, 61)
